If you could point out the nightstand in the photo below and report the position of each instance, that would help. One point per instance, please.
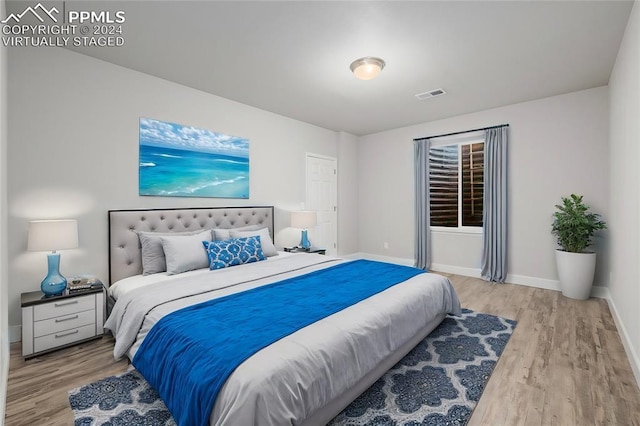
(316, 250)
(50, 323)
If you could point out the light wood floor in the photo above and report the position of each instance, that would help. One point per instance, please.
(564, 365)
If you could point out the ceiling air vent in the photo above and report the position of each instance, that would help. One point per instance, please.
(430, 94)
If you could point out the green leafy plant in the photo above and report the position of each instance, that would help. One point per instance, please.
(574, 226)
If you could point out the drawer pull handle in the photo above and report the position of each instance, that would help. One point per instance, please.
(73, 302)
(67, 334)
(67, 319)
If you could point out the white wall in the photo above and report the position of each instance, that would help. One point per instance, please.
(347, 193)
(4, 326)
(557, 146)
(73, 149)
(624, 88)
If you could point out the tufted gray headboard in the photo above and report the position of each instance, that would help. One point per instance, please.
(124, 246)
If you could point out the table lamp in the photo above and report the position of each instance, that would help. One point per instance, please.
(52, 235)
(304, 220)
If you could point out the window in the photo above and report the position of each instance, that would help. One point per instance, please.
(456, 184)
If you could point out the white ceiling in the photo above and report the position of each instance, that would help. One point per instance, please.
(292, 58)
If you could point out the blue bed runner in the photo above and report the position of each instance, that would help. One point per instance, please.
(189, 354)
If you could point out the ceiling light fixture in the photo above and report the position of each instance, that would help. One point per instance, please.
(367, 68)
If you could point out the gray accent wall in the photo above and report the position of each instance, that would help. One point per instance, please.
(557, 146)
(73, 145)
(624, 223)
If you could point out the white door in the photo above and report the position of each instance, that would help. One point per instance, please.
(322, 197)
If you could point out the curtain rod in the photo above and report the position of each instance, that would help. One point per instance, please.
(464, 131)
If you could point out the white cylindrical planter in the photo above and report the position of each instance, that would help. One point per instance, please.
(576, 273)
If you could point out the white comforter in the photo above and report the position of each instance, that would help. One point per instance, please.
(288, 381)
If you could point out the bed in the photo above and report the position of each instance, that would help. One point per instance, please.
(305, 378)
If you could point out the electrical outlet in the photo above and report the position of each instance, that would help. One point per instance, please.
(385, 245)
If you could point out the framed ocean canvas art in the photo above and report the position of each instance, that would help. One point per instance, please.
(185, 161)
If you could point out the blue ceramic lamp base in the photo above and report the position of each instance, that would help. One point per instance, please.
(304, 240)
(54, 283)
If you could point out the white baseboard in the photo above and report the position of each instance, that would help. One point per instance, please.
(544, 283)
(511, 278)
(15, 333)
(547, 284)
(600, 292)
(458, 270)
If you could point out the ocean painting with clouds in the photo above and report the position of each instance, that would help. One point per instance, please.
(184, 161)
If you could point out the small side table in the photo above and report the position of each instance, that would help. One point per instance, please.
(50, 323)
(316, 250)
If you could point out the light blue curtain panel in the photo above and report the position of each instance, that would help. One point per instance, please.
(494, 233)
(423, 234)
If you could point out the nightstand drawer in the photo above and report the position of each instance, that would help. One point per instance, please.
(63, 337)
(65, 322)
(64, 307)
(59, 321)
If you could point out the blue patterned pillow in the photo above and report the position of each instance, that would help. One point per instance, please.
(235, 251)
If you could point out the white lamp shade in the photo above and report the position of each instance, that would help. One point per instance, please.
(52, 235)
(303, 219)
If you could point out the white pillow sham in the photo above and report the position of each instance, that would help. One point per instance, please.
(265, 239)
(153, 259)
(220, 234)
(185, 252)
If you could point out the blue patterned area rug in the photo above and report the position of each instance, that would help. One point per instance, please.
(438, 383)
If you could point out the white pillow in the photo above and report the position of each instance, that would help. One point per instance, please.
(265, 239)
(185, 252)
(153, 260)
(220, 234)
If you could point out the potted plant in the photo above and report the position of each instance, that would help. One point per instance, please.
(574, 226)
